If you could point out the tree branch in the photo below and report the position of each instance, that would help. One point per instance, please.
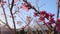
(13, 16)
(6, 19)
(32, 7)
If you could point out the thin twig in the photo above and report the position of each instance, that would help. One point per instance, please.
(8, 4)
(6, 18)
(37, 4)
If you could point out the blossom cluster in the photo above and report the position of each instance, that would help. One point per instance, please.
(42, 15)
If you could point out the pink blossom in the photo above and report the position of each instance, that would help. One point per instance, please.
(58, 24)
(49, 24)
(26, 6)
(47, 15)
(15, 1)
(43, 12)
(58, 27)
(18, 22)
(3, 3)
(51, 15)
(58, 19)
(41, 18)
(51, 20)
(35, 14)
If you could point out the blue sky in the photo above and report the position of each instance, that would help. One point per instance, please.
(48, 5)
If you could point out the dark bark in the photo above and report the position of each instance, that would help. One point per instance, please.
(12, 4)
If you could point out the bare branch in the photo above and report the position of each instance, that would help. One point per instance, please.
(6, 19)
(13, 16)
(2, 21)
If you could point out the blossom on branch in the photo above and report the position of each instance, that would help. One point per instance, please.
(41, 18)
(26, 6)
(2, 3)
(58, 24)
(28, 18)
(51, 15)
(51, 20)
(35, 14)
(15, 1)
(18, 22)
(42, 12)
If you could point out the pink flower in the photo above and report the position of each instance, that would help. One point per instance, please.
(15, 1)
(43, 12)
(47, 15)
(58, 19)
(41, 18)
(58, 24)
(51, 20)
(26, 6)
(58, 27)
(3, 2)
(18, 22)
(49, 24)
(51, 15)
(35, 14)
